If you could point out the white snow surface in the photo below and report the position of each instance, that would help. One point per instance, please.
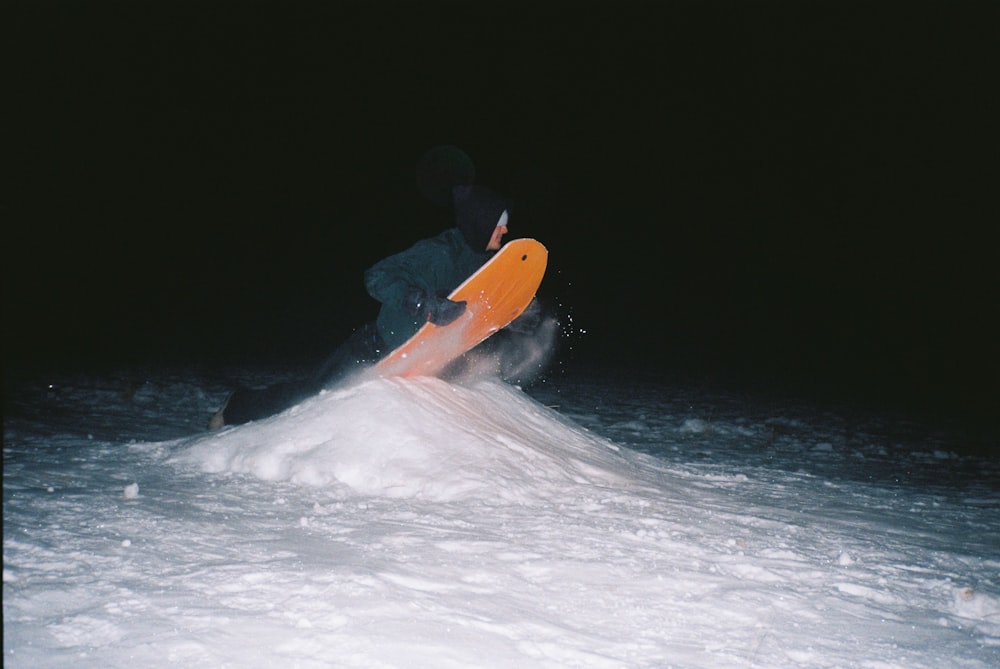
(589, 521)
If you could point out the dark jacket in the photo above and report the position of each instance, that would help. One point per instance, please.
(436, 265)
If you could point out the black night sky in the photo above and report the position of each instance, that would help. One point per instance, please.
(799, 196)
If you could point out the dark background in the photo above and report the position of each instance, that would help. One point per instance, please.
(799, 196)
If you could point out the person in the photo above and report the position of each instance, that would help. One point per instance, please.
(412, 288)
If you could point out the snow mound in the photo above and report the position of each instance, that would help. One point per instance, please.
(416, 438)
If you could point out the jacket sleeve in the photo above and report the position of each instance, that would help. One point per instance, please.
(388, 280)
(435, 265)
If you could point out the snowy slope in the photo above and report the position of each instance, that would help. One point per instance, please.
(597, 522)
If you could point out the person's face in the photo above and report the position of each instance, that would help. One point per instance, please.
(497, 238)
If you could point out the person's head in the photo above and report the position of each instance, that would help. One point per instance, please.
(482, 216)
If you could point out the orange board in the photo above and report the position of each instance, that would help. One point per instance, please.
(495, 295)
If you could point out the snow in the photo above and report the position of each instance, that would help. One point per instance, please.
(593, 520)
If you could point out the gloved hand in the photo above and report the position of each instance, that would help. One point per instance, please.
(437, 309)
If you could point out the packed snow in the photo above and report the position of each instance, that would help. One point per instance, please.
(591, 520)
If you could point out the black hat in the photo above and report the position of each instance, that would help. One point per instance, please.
(477, 213)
